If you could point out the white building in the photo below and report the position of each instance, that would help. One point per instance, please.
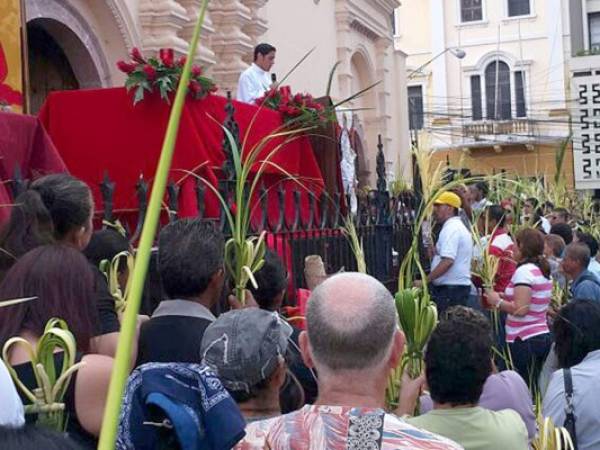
(76, 43)
(585, 91)
(487, 79)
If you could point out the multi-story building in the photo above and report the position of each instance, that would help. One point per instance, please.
(487, 81)
(584, 67)
(76, 43)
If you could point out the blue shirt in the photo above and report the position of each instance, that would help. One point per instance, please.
(586, 286)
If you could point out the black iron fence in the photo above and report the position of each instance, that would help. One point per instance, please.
(384, 224)
(312, 226)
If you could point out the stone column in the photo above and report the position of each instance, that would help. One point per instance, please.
(383, 63)
(257, 25)
(161, 21)
(230, 44)
(205, 55)
(344, 53)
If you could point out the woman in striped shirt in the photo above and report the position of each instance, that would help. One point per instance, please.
(526, 300)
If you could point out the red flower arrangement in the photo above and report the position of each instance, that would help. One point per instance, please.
(162, 73)
(297, 109)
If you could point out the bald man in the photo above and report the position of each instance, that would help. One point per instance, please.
(585, 284)
(353, 342)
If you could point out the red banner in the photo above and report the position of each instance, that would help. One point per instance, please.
(11, 74)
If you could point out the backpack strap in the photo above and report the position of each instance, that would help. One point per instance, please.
(569, 408)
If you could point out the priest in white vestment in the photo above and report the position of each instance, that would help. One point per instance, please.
(256, 79)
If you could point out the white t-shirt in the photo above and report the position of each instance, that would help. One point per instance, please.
(546, 225)
(253, 84)
(11, 407)
(455, 242)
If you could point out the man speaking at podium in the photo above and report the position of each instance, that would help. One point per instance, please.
(256, 80)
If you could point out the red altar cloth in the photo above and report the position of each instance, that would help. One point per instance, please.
(25, 144)
(100, 130)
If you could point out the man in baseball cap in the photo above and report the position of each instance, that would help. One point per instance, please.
(450, 276)
(448, 198)
(246, 349)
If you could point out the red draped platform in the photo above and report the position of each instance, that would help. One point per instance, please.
(98, 131)
(24, 144)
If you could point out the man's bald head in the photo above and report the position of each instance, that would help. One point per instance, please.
(579, 253)
(351, 321)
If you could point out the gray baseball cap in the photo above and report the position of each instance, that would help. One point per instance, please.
(244, 346)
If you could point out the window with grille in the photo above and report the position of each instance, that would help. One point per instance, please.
(520, 94)
(415, 107)
(518, 8)
(594, 26)
(497, 91)
(471, 10)
(476, 98)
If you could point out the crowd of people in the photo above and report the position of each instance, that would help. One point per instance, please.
(209, 373)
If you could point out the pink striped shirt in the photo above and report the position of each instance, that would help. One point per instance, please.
(534, 322)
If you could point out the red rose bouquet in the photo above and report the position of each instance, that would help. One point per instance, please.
(162, 73)
(298, 110)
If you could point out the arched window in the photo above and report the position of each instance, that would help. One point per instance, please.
(497, 91)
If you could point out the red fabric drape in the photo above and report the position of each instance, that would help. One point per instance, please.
(25, 144)
(98, 131)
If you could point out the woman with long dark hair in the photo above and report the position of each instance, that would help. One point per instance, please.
(526, 300)
(59, 208)
(62, 282)
(55, 208)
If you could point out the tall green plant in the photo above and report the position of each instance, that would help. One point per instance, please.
(417, 316)
(356, 244)
(110, 269)
(244, 253)
(128, 327)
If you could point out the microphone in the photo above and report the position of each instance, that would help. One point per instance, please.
(274, 78)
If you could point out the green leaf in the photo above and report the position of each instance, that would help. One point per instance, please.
(330, 81)
(139, 95)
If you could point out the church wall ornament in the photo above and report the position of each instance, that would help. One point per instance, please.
(85, 53)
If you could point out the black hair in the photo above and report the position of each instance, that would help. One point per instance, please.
(53, 206)
(271, 280)
(190, 252)
(67, 200)
(564, 231)
(534, 202)
(562, 212)
(63, 282)
(31, 437)
(589, 240)
(254, 392)
(538, 212)
(577, 331)
(106, 244)
(458, 358)
(263, 49)
(483, 187)
(497, 214)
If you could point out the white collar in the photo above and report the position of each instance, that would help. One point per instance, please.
(259, 69)
(183, 308)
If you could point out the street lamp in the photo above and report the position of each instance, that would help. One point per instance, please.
(458, 52)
